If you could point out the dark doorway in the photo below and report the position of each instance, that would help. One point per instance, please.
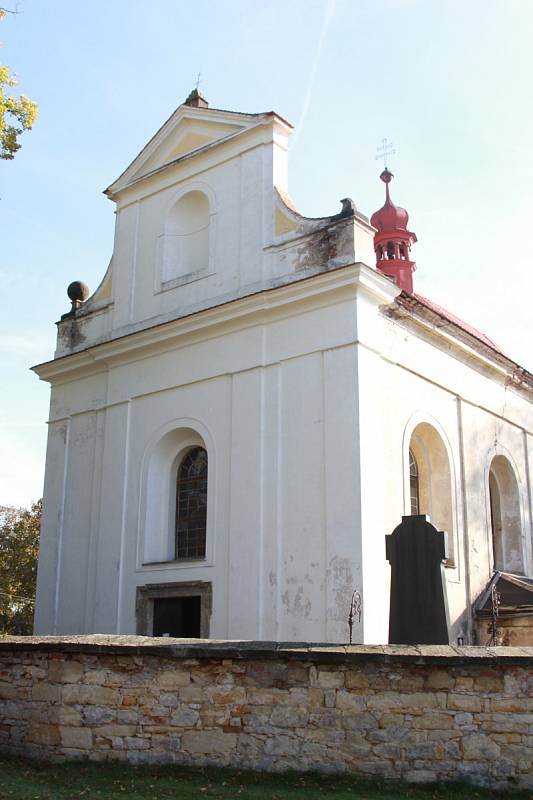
(177, 616)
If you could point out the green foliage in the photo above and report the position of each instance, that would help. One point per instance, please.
(19, 549)
(16, 114)
(22, 780)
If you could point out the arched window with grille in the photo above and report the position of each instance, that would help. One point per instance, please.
(191, 505)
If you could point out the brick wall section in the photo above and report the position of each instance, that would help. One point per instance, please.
(414, 713)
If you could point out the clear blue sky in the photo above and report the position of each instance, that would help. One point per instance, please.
(449, 82)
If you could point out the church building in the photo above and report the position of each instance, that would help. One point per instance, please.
(252, 400)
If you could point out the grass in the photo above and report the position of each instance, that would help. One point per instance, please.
(23, 780)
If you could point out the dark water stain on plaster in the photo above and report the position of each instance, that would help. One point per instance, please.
(328, 247)
(299, 604)
(71, 333)
(341, 580)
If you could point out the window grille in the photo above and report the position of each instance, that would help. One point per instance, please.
(191, 505)
(413, 481)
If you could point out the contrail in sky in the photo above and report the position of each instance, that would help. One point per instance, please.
(328, 14)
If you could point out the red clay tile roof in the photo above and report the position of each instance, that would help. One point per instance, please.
(447, 315)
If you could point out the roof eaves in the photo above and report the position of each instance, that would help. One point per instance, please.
(254, 114)
(412, 302)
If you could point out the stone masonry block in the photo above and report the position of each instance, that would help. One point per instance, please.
(191, 694)
(330, 679)
(440, 679)
(98, 715)
(205, 742)
(68, 715)
(386, 750)
(65, 671)
(359, 721)
(513, 704)
(464, 682)
(288, 717)
(96, 677)
(355, 680)
(488, 682)
(44, 734)
(114, 729)
(325, 718)
(168, 699)
(269, 697)
(135, 743)
(415, 701)
(298, 674)
(80, 738)
(46, 692)
(9, 692)
(282, 746)
(435, 721)
(479, 746)
(231, 696)
(464, 702)
(171, 679)
(420, 776)
(346, 701)
(308, 698)
(98, 695)
(185, 717)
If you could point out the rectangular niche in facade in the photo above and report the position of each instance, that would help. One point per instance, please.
(178, 609)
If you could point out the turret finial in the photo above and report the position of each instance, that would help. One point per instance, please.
(196, 99)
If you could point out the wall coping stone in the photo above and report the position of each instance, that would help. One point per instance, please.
(182, 649)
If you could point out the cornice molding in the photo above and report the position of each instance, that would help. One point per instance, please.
(259, 308)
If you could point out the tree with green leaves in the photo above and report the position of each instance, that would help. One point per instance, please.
(17, 114)
(19, 550)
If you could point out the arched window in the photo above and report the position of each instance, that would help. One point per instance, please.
(413, 484)
(430, 472)
(164, 464)
(191, 505)
(186, 237)
(505, 517)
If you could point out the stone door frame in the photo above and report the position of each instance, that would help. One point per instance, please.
(144, 606)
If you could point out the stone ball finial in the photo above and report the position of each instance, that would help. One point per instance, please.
(78, 292)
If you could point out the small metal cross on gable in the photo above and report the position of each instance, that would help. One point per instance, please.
(198, 81)
(385, 149)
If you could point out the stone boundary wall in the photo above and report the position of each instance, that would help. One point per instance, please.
(411, 713)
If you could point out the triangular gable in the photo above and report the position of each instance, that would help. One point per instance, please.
(187, 130)
(186, 137)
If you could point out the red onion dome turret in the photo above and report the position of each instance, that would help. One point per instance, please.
(392, 240)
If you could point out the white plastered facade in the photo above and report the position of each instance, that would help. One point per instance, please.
(284, 353)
